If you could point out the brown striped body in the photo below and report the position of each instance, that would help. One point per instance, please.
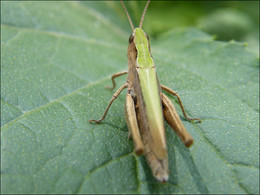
(158, 166)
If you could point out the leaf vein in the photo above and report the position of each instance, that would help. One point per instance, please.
(101, 166)
(53, 101)
(220, 155)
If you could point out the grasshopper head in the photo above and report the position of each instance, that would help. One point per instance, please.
(137, 32)
(139, 37)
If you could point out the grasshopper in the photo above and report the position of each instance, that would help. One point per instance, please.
(146, 105)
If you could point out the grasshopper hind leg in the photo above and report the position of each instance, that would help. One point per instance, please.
(173, 119)
(132, 124)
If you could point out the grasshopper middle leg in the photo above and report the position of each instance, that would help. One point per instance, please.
(110, 103)
(179, 99)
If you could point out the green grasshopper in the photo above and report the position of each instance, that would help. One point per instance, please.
(146, 105)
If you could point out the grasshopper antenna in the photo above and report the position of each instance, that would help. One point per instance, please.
(130, 21)
(142, 18)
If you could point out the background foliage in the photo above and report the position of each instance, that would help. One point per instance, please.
(58, 56)
(227, 20)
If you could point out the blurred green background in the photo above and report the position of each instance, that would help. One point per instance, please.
(226, 20)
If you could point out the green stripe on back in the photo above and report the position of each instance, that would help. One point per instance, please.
(150, 92)
(144, 59)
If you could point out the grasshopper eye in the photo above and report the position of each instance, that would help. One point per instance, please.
(147, 36)
(131, 38)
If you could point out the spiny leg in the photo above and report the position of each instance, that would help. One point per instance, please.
(179, 99)
(116, 94)
(131, 120)
(114, 76)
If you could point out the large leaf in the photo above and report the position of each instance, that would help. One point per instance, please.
(56, 60)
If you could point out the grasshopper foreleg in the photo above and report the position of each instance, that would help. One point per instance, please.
(179, 99)
(113, 78)
(131, 119)
(116, 94)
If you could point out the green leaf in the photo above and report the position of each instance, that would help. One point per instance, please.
(57, 57)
